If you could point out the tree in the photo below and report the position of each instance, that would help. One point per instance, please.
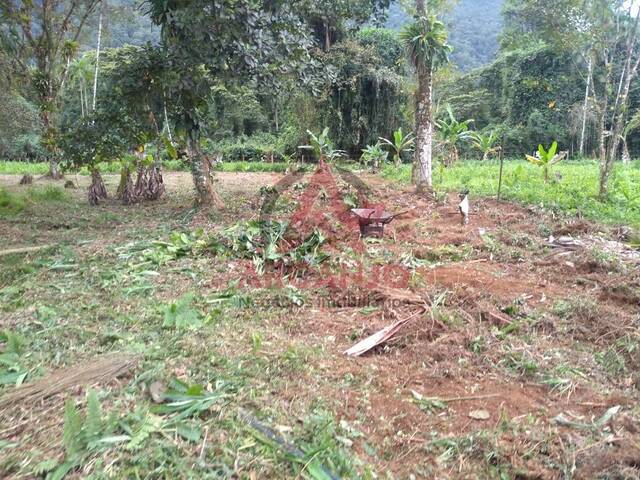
(608, 154)
(546, 158)
(632, 125)
(330, 19)
(322, 146)
(122, 125)
(81, 72)
(365, 92)
(426, 43)
(43, 37)
(207, 42)
(375, 156)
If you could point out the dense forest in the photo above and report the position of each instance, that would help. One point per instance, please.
(522, 89)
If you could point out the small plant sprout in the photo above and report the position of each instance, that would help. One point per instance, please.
(547, 158)
(400, 143)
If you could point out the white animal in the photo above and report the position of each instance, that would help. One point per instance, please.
(464, 207)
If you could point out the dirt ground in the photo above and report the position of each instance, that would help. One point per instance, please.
(516, 351)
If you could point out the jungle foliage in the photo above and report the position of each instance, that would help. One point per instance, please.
(308, 66)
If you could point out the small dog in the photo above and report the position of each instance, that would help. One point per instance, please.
(464, 206)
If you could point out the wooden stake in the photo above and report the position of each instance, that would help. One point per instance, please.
(500, 178)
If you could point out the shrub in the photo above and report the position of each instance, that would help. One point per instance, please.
(28, 147)
(257, 148)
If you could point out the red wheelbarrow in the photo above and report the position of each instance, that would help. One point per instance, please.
(372, 221)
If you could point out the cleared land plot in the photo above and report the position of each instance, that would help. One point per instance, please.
(519, 358)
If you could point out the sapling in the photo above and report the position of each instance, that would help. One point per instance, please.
(547, 158)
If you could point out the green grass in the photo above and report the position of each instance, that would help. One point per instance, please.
(12, 203)
(47, 194)
(575, 193)
(23, 168)
(253, 167)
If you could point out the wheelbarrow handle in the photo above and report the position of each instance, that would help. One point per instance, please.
(392, 217)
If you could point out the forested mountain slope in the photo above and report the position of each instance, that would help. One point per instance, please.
(474, 27)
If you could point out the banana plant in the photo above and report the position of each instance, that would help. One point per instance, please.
(452, 132)
(485, 143)
(323, 147)
(374, 155)
(400, 143)
(546, 158)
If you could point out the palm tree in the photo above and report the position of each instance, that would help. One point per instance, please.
(400, 143)
(80, 75)
(486, 143)
(452, 133)
(426, 42)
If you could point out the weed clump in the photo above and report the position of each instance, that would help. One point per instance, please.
(47, 194)
(10, 204)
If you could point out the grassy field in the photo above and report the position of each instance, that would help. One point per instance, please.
(23, 168)
(514, 363)
(573, 191)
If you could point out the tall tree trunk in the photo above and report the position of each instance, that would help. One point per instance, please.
(604, 107)
(86, 98)
(95, 75)
(423, 161)
(327, 37)
(585, 106)
(626, 155)
(206, 196)
(166, 121)
(49, 135)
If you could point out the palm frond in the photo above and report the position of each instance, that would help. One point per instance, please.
(425, 40)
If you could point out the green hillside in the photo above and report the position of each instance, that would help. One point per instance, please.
(474, 26)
